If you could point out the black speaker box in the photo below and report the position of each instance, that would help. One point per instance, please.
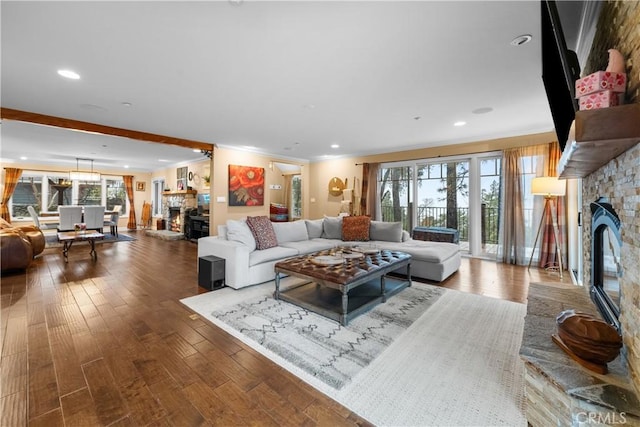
(211, 272)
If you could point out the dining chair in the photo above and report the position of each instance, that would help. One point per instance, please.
(94, 217)
(112, 222)
(36, 220)
(69, 215)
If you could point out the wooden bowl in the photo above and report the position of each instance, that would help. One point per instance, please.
(589, 338)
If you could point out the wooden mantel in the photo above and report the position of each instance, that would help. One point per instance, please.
(178, 192)
(600, 135)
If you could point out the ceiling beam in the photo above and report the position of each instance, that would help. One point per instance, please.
(42, 119)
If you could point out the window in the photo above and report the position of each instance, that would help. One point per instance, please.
(116, 195)
(156, 195)
(45, 191)
(461, 192)
(296, 196)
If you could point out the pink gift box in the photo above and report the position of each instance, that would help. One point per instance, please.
(602, 99)
(601, 80)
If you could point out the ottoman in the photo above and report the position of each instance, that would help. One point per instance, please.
(436, 234)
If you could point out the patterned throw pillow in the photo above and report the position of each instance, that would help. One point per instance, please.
(262, 230)
(355, 228)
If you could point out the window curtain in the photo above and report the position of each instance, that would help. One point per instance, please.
(548, 255)
(365, 188)
(369, 200)
(128, 186)
(511, 241)
(287, 195)
(520, 211)
(11, 178)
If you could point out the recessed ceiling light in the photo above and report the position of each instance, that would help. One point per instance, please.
(126, 166)
(482, 110)
(163, 160)
(23, 158)
(520, 40)
(460, 123)
(69, 74)
(335, 146)
(126, 104)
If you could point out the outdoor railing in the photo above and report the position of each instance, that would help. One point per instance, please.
(437, 217)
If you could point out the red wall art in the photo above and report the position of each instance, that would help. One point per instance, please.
(246, 186)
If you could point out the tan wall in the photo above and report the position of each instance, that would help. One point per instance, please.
(223, 157)
(350, 168)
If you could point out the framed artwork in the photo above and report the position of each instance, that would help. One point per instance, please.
(246, 186)
(140, 185)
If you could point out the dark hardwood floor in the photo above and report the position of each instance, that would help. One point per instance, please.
(108, 343)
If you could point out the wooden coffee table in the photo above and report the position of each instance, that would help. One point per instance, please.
(346, 290)
(68, 237)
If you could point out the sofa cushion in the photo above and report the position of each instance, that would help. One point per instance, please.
(240, 232)
(272, 254)
(222, 231)
(304, 247)
(262, 231)
(386, 231)
(332, 227)
(314, 227)
(290, 231)
(355, 228)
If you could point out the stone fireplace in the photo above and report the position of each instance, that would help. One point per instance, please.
(619, 182)
(175, 205)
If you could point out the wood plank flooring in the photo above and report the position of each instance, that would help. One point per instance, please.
(107, 343)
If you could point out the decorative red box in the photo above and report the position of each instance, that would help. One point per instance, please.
(601, 80)
(602, 99)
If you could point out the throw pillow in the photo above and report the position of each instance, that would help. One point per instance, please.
(262, 230)
(386, 231)
(240, 232)
(332, 228)
(355, 228)
(314, 228)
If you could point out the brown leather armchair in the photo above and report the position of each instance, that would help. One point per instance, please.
(18, 245)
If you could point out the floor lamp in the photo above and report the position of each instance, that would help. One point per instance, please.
(550, 188)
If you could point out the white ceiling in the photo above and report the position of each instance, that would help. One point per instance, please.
(288, 78)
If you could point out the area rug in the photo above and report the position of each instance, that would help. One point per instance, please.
(452, 359)
(51, 240)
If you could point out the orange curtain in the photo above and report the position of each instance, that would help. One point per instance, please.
(128, 185)
(365, 188)
(548, 255)
(11, 177)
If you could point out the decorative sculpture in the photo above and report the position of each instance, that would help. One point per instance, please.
(589, 341)
(616, 62)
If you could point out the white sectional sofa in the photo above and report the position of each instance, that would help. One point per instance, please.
(245, 265)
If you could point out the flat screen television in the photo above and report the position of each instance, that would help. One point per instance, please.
(560, 70)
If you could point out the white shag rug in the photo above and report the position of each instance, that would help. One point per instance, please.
(458, 364)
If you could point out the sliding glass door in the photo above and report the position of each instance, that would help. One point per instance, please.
(462, 193)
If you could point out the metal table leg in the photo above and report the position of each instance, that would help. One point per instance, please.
(66, 245)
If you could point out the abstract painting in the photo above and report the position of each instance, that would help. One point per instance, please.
(246, 186)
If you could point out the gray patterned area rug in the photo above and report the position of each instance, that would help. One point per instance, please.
(427, 357)
(322, 347)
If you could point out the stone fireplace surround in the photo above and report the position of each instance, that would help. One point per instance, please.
(182, 200)
(558, 390)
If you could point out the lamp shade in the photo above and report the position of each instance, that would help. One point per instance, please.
(84, 176)
(548, 186)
